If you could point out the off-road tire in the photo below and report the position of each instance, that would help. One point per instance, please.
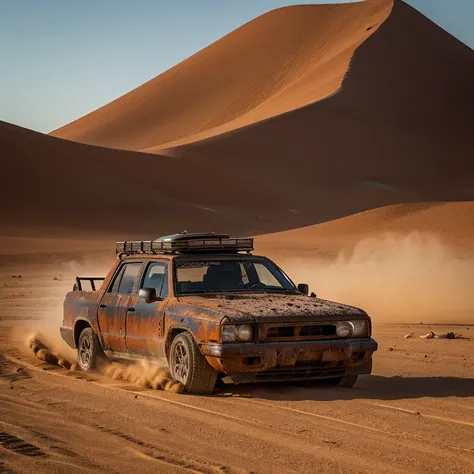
(88, 341)
(346, 381)
(200, 376)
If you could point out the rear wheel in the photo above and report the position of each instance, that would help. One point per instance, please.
(189, 366)
(89, 351)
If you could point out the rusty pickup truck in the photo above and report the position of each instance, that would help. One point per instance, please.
(210, 308)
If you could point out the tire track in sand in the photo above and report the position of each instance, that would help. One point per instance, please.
(264, 431)
(151, 451)
(434, 417)
(362, 426)
(18, 445)
(261, 431)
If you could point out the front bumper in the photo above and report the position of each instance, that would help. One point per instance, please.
(295, 360)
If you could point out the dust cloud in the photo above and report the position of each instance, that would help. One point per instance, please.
(396, 278)
(44, 339)
(51, 284)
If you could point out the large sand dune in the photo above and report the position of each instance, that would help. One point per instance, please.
(400, 127)
(278, 62)
(399, 130)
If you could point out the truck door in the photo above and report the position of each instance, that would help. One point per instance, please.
(113, 306)
(145, 321)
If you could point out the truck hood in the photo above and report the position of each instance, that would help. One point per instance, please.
(264, 307)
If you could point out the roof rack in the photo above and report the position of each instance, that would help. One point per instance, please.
(186, 243)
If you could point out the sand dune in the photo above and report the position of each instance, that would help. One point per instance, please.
(281, 61)
(60, 187)
(397, 132)
(452, 222)
(56, 186)
(400, 128)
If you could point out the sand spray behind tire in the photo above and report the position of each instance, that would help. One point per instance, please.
(50, 356)
(143, 373)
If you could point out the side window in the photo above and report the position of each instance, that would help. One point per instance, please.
(118, 278)
(125, 279)
(156, 276)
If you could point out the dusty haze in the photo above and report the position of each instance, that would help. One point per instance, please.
(396, 278)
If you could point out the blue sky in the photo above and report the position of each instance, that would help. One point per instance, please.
(61, 59)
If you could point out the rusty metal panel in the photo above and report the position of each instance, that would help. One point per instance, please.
(204, 324)
(111, 321)
(145, 327)
(81, 305)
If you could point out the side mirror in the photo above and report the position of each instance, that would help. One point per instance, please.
(148, 294)
(303, 288)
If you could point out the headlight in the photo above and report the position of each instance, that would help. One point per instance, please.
(361, 328)
(237, 332)
(357, 328)
(344, 328)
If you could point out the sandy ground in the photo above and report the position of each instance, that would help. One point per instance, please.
(414, 414)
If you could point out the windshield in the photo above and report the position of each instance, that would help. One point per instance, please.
(202, 276)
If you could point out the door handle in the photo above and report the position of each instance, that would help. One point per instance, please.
(131, 310)
(102, 306)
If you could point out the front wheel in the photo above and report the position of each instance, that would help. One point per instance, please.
(89, 351)
(189, 366)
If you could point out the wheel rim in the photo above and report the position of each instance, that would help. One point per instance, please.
(180, 362)
(85, 352)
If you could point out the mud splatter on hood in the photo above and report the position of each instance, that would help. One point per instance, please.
(264, 307)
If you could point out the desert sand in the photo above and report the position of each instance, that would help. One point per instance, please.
(341, 137)
(413, 414)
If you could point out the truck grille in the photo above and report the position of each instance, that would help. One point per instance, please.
(302, 372)
(297, 332)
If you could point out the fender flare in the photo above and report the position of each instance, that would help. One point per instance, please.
(83, 323)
